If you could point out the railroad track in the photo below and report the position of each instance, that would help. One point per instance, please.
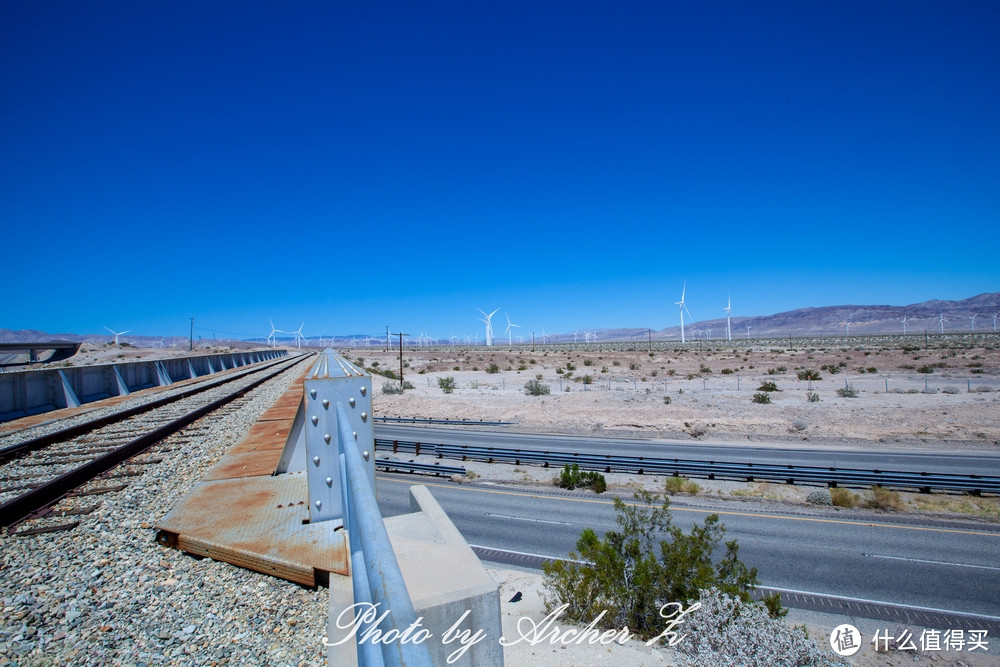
(744, 472)
(36, 474)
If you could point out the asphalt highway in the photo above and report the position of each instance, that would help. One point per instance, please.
(804, 455)
(950, 567)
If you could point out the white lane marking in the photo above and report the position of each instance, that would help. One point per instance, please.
(933, 562)
(834, 596)
(523, 518)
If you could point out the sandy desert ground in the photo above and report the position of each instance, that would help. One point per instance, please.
(707, 395)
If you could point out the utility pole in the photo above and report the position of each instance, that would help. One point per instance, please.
(191, 339)
(650, 333)
(401, 357)
(387, 343)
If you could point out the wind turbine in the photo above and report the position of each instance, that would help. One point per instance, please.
(299, 337)
(729, 307)
(271, 337)
(941, 321)
(578, 331)
(973, 318)
(747, 324)
(510, 324)
(995, 321)
(545, 337)
(904, 324)
(117, 333)
(487, 320)
(682, 309)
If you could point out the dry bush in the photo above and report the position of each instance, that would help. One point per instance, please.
(881, 498)
(728, 632)
(843, 497)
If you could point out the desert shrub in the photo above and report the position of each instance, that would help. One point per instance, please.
(391, 388)
(761, 397)
(570, 366)
(456, 368)
(812, 397)
(819, 498)
(536, 388)
(725, 631)
(588, 362)
(616, 363)
(705, 370)
(492, 368)
(572, 478)
(767, 386)
(881, 498)
(872, 369)
(675, 485)
(925, 369)
(808, 374)
(843, 497)
(648, 562)
(407, 384)
(951, 390)
(983, 389)
(847, 392)
(667, 400)
(724, 371)
(586, 379)
(447, 384)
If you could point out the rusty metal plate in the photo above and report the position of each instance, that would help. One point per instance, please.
(286, 406)
(256, 523)
(245, 464)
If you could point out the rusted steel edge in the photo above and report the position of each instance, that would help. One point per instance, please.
(20, 508)
(28, 446)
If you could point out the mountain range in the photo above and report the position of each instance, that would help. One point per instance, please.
(822, 321)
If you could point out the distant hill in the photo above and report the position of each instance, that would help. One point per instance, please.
(824, 321)
(827, 321)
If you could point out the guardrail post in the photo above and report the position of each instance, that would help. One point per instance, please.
(340, 470)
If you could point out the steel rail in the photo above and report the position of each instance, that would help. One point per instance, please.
(790, 474)
(28, 446)
(21, 507)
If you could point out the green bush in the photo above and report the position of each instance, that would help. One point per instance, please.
(647, 563)
(812, 397)
(675, 485)
(535, 388)
(847, 392)
(447, 384)
(492, 368)
(572, 478)
(391, 388)
(761, 397)
(925, 369)
(767, 386)
(808, 374)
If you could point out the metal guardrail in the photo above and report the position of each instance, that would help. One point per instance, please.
(457, 422)
(746, 472)
(337, 428)
(435, 468)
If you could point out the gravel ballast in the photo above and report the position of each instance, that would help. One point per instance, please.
(106, 593)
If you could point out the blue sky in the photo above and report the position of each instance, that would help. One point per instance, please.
(353, 165)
